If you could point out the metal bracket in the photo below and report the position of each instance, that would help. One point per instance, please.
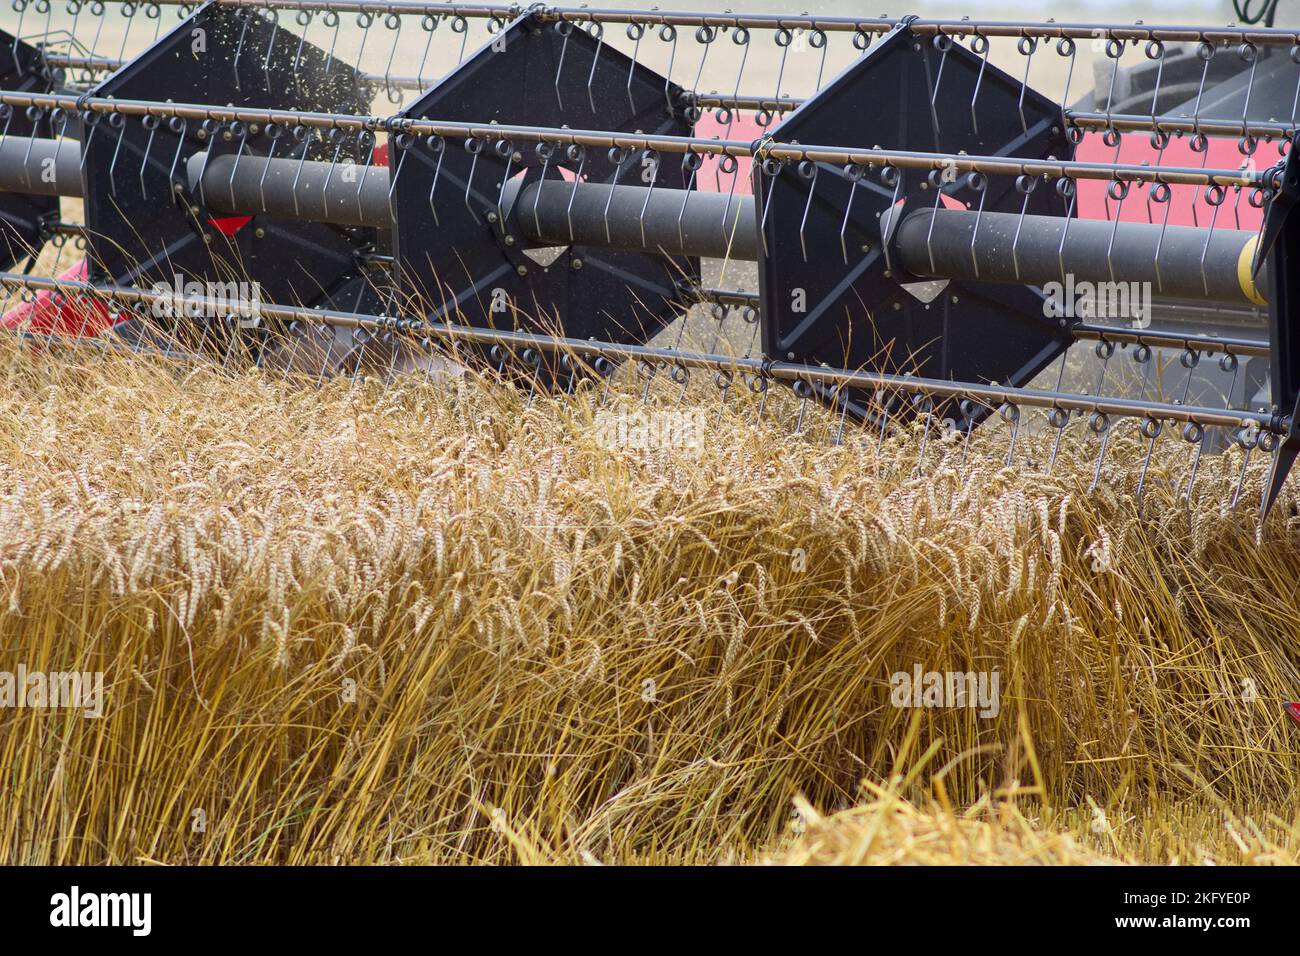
(832, 291)
(455, 219)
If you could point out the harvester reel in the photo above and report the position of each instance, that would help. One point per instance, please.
(539, 209)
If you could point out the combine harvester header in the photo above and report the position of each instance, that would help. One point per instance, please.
(922, 223)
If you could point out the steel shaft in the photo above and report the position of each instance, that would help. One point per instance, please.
(550, 213)
(675, 221)
(40, 167)
(1178, 261)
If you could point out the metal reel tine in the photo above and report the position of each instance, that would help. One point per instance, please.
(1248, 438)
(1150, 429)
(338, 138)
(21, 7)
(437, 145)
(1214, 196)
(1197, 435)
(1248, 53)
(365, 19)
(1161, 194)
(473, 146)
(682, 376)
(36, 114)
(1114, 51)
(234, 169)
(760, 384)
(1027, 45)
(366, 143)
(843, 401)
(1025, 186)
(1104, 349)
(720, 313)
(646, 370)
(239, 47)
(649, 174)
(723, 379)
(428, 23)
(596, 30)
(1261, 198)
(1059, 419)
(273, 16)
(606, 370)
(883, 401)
(803, 390)
(1116, 189)
(392, 22)
(395, 343)
(506, 150)
(740, 37)
(980, 46)
(564, 28)
(579, 153)
(635, 31)
(544, 150)
(1009, 412)
(99, 29)
(1142, 356)
(119, 120)
(460, 25)
(1271, 444)
(1066, 46)
(327, 357)
(729, 166)
(128, 13)
(331, 19)
(704, 35)
(1099, 424)
(304, 19)
(854, 173)
(926, 404)
(1189, 360)
(783, 38)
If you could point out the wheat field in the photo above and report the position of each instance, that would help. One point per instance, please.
(445, 622)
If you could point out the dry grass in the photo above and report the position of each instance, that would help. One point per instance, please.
(562, 652)
(885, 830)
(888, 831)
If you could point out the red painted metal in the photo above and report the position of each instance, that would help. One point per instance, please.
(46, 315)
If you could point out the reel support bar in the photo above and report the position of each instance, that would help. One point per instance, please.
(677, 145)
(993, 396)
(759, 21)
(1082, 331)
(1074, 119)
